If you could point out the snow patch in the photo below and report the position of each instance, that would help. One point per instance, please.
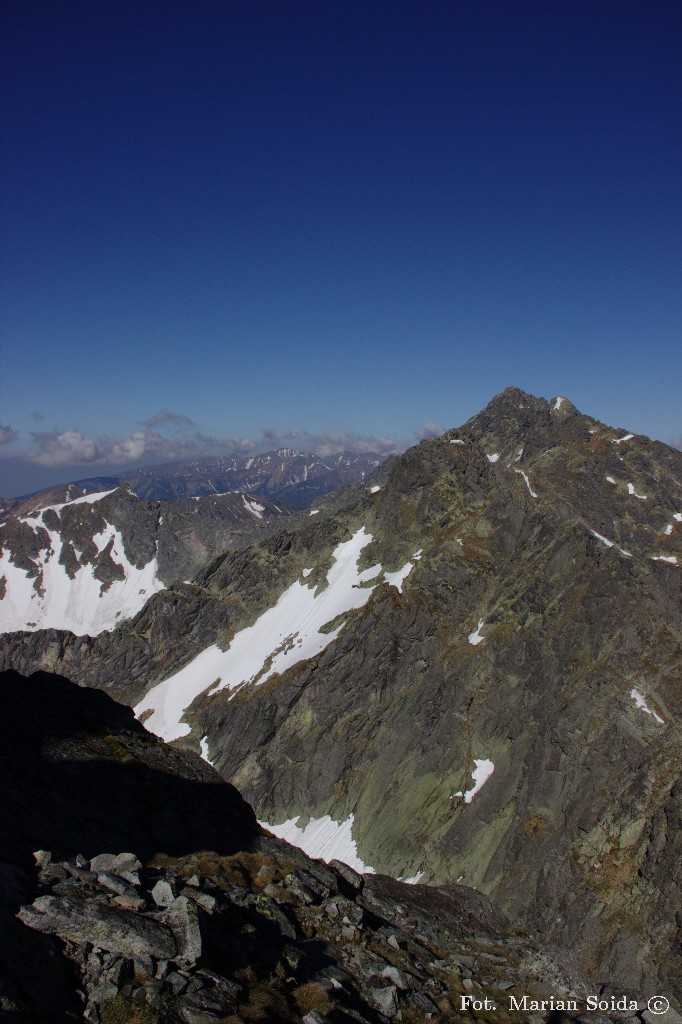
(557, 403)
(454, 440)
(641, 703)
(610, 543)
(476, 638)
(253, 507)
(282, 636)
(493, 458)
(664, 558)
(323, 839)
(203, 743)
(610, 480)
(481, 773)
(395, 579)
(314, 512)
(373, 490)
(532, 492)
(633, 492)
(625, 437)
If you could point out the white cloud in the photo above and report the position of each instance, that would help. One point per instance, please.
(429, 430)
(166, 416)
(7, 435)
(59, 449)
(72, 448)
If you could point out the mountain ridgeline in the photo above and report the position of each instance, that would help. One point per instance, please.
(294, 477)
(469, 672)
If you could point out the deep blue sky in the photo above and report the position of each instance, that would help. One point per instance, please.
(331, 217)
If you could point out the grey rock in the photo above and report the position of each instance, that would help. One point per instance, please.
(671, 1016)
(183, 920)
(162, 893)
(143, 967)
(76, 871)
(349, 875)
(42, 858)
(176, 981)
(305, 883)
(153, 993)
(204, 1006)
(103, 862)
(116, 884)
(385, 1000)
(130, 902)
(592, 1018)
(396, 977)
(421, 1002)
(105, 927)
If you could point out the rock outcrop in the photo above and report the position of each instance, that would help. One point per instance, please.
(200, 916)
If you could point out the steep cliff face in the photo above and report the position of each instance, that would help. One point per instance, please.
(473, 668)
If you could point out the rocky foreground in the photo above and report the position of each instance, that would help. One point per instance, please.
(210, 918)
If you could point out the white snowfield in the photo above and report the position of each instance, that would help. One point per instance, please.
(282, 636)
(481, 773)
(80, 605)
(323, 839)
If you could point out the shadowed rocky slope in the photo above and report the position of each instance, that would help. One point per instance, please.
(136, 886)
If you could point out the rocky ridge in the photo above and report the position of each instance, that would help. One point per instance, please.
(501, 707)
(213, 919)
(294, 477)
(92, 560)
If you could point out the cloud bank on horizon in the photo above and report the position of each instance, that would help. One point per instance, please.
(72, 449)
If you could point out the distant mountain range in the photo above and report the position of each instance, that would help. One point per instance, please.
(465, 669)
(292, 476)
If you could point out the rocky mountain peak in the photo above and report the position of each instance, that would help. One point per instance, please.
(469, 670)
